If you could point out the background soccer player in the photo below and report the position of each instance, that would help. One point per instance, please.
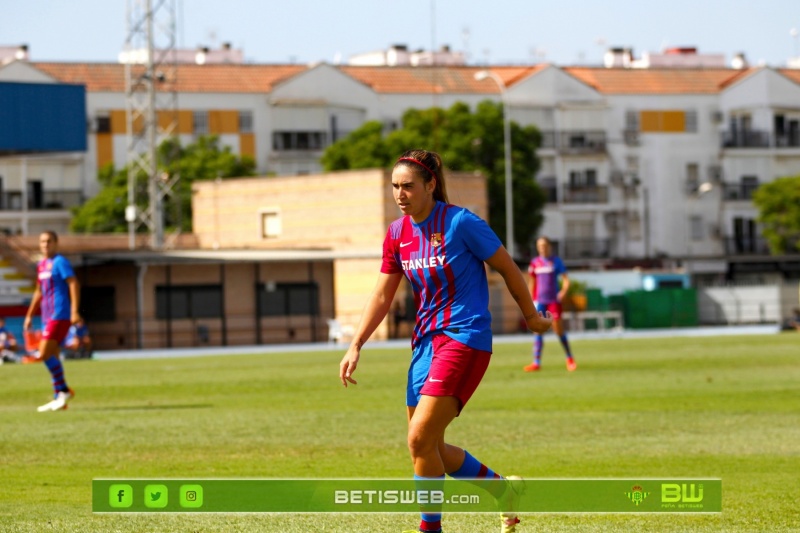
(546, 271)
(57, 294)
(441, 249)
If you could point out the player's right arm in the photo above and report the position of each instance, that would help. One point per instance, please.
(375, 310)
(33, 308)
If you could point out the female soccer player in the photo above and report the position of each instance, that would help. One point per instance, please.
(546, 270)
(58, 295)
(441, 248)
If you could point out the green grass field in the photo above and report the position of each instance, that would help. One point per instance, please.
(725, 407)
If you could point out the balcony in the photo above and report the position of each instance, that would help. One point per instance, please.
(597, 194)
(746, 245)
(746, 139)
(575, 142)
(582, 248)
(733, 192)
(760, 139)
(46, 200)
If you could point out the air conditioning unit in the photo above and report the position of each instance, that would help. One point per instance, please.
(717, 117)
(714, 231)
(617, 178)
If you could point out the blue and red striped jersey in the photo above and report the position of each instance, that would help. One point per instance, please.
(546, 271)
(53, 273)
(443, 258)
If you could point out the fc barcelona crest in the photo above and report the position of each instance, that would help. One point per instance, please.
(436, 239)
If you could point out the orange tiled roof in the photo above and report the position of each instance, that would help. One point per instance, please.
(791, 73)
(110, 77)
(426, 80)
(654, 81)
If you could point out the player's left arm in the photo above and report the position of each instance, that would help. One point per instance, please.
(501, 262)
(564, 287)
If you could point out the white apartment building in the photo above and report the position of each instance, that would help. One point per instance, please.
(639, 165)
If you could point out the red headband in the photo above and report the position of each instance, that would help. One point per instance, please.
(420, 163)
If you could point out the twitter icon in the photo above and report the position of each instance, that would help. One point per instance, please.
(156, 496)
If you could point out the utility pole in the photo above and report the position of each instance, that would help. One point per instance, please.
(151, 112)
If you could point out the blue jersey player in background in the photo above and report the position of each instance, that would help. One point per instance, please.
(442, 250)
(57, 295)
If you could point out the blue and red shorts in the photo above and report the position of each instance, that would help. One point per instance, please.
(56, 330)
(442, 366)
(554, 308)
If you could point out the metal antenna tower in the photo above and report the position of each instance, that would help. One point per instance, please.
(151, 112)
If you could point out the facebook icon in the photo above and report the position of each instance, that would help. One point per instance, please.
(120, 496)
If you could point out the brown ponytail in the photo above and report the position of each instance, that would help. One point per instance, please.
(427, 165)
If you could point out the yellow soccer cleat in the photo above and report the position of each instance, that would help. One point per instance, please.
(509, 503)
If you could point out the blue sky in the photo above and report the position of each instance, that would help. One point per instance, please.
(493, 31)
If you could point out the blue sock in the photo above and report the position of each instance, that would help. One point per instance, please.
(537, 352)
(472, 469)
(565, 344)
(430, 514)
(53, 364)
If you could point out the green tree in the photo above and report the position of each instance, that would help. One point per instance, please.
(201, 160)
(467, 141)
(778, 203)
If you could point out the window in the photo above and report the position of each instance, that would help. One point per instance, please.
(749, 184)
(632, 120)
(188, 301)
(288, 299)
(271, 226)
(583, 179)
(103, 124)
(245, 122)
(577, 140)
(200, 122)
(299, 140)
(98, 304)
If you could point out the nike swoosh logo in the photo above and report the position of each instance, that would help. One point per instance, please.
(403, 244)
(435, 380)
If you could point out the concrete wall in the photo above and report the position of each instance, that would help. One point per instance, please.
(740, 305)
